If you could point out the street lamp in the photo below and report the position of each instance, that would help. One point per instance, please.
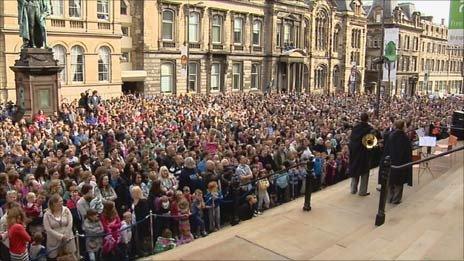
(380, 60)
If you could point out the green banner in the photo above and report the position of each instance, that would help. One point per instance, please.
(456, 17)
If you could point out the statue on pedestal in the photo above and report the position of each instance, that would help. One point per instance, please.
(31, 20)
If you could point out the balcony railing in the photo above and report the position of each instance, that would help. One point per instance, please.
(104, 26)
(58, 23)
(194, 45)
(257, 49)
(238, 47)
(169, 44)
(218, 47)
(76, 24)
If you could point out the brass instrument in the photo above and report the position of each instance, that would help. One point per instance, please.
(369, 141)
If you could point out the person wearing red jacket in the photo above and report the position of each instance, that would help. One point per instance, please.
(17, 235)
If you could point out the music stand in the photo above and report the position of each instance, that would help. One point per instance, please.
(428, 142)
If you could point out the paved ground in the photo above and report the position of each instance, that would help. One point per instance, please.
(428, 225)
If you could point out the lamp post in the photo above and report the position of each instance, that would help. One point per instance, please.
(380, 73)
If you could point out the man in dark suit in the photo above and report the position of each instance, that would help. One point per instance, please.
(359, 156)
(399, 148)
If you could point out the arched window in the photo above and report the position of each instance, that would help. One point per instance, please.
(257, 33)
(104, 64)
(238, 30)
(57, 8)
(167, 77)
(59, 53)
(77, 64)
(217, 29)
(336, 77)
(321, 30)
(320, 76)
(168, 25)
(194, 27)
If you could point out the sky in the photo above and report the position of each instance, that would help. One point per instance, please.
(437, 8)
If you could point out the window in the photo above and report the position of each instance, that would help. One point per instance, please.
(125, 31)
(336, 77)
(104, 62)
(59, 53)
(238, 29)
(125, 57)
(320, 77)
(194, 27)
(257, 33)
(215, 77)
(335, 38)
(237, 76)
(321, 30)
(255, 76)
(103, 9)
(123, 9)
(167, 77)
(288, 31)
(57, 7)
(75, 8)
(192, 77)
(77, 64)
(278, 31)
(217, 29)
(168, 25)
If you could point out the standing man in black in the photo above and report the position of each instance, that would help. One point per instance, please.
(399, 148)
(359, 156)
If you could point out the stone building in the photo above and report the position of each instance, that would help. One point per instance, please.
(240, 45)
(86, 37)
(423, 51)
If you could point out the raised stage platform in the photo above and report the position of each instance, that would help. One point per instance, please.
(427, 225)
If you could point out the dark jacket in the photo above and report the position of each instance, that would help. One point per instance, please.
(142, 210)
(399, 149)
(359, 155)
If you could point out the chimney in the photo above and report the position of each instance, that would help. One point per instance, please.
(443, 21)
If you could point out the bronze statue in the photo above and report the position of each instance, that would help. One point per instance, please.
(31, 20)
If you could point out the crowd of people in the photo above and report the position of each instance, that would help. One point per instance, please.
(100, 167)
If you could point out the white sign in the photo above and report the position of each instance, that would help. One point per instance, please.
(183, 72)
(183, 50)
(428, 141)
(391, 35)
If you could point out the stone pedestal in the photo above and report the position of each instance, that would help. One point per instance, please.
(37, 81)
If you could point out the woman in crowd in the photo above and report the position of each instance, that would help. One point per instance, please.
(141, 211)
(58, 223)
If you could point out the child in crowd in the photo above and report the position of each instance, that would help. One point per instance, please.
(263, 195)
(187, 194)
(93, 227)
(184, 224)
(294, 178)
(318, 171)
(198, 205)
(165, 242)
(17, 234)
(126, 234)
(213, 200)
(71, 204)
(37, 251)
(331, 171)
(282, 183)
(31, 208)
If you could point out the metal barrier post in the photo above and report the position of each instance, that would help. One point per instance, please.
(78, 249)
(384, 180)
(151, 232)
(308, 184)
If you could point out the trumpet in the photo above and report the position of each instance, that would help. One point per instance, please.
(369, 141)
